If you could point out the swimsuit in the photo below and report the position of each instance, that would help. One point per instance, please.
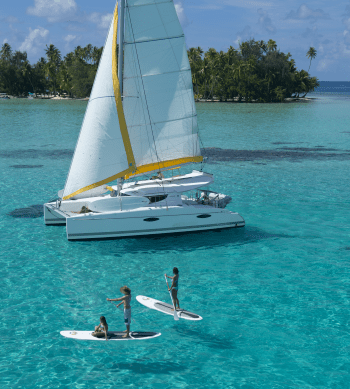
(127, 311)
(127, 316)
(176, 284)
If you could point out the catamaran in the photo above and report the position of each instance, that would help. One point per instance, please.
(140, 121)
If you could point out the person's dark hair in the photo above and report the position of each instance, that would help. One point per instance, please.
(176, 270)
(103, 320)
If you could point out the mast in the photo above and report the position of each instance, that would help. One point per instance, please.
(121, 46)
(120, 67)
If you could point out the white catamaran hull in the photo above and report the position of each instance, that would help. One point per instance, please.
(148, 221)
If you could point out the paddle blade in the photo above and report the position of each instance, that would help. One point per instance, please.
(175, 315)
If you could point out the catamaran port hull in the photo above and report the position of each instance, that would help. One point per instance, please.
(53, 216)
(150, 221)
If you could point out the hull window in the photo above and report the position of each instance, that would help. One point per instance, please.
(151, 219)
(155, 199)
(203, 216)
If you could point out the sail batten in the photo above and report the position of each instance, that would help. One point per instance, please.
(154, 40)
(158, 74)
(185, 117)
(142, 3)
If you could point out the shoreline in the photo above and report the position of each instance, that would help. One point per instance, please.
(235, 100)
(9, 97)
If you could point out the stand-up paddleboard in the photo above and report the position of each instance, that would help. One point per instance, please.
(112, 335)
(166, 308)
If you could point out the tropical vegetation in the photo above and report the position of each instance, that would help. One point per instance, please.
(72, 75)
(255, 72)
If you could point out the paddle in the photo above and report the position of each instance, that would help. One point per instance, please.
(175, 313)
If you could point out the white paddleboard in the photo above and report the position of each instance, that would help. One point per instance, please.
(112, 335)
(167, 308)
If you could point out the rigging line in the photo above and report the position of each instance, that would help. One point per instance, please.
(143, 87)
(137, 85)
(189, 95)
(145, 97)
(169, 39)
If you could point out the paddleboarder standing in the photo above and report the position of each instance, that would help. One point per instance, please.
(127, 308)
(175, 286)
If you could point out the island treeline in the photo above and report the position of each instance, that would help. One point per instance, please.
(73, 75)
(257, 71)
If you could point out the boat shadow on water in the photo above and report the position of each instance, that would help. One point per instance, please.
(204, 339)
(185, 241)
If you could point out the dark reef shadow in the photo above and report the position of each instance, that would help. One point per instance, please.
(26, 166)
(35, 153)
(291, 154)
(30, 212)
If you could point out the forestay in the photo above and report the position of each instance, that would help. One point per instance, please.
(158, 97)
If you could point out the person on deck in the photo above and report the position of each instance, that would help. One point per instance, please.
(127, 308)
(175, 286)
(102, 329)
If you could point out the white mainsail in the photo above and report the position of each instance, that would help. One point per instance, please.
(155, 127)
(158, 97)
(103, 150)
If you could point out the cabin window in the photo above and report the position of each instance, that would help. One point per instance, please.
(151, 219)
(156, 199)
(203, 216)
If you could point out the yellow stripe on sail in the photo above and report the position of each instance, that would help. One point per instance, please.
(118, 99)
(102, 182)
(163, 165)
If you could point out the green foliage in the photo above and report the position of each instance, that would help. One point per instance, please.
(74, 75)
(78, 70)
(256, 71)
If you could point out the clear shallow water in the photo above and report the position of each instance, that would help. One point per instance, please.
(274, 296)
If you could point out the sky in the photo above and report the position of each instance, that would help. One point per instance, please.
(30, 25)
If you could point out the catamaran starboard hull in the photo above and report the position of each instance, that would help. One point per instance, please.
(147, 221)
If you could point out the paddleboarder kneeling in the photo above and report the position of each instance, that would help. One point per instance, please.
(102, 329)
(127, 308)
(175, 286)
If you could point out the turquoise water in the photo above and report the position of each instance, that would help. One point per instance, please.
(274, 296)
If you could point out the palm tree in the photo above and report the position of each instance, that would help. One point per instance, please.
(53, 64)
(195, 59)
(271, 45)
(6, 52)
(312, 53)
